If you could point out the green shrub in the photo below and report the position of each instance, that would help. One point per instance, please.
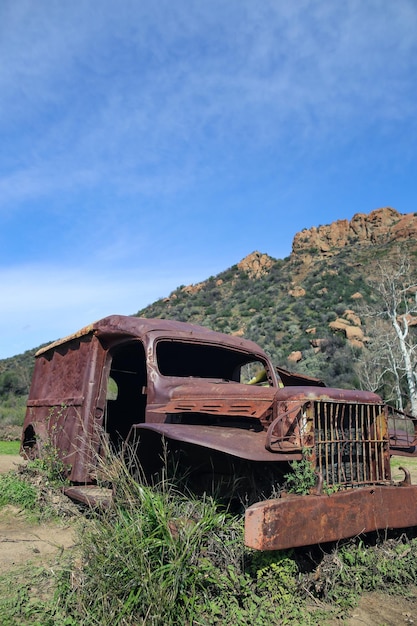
(12, 409)
(302, 477)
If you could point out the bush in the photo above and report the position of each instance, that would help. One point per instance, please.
(12, 410)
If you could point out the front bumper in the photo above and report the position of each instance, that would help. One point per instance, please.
(293, 521)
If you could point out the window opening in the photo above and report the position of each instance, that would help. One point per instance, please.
(184, 359)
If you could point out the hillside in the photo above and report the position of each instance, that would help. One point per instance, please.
(305, 310)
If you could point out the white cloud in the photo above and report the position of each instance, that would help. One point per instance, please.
(141, 132)
(124, 93)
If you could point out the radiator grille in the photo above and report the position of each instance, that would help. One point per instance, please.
(351, 444)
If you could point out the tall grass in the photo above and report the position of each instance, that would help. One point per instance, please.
(161, 557)
(18, 492)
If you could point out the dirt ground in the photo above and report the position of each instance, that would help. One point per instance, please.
(9, 461)
(22, 542)
(376, 609)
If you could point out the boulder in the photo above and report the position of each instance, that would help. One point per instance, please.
(295, 356)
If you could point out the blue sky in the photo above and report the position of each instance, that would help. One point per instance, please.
(148, 144)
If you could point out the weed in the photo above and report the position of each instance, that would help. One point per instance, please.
(354, 567)
(302, 478)
(36, 487)
(18, 492)
(276, 572)
(30, 602)
(160, 557)
(50, 465)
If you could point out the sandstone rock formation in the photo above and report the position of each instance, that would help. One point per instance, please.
(191, 289)
(295, 356)
(350, 326)
(256, 264)
(380, 226)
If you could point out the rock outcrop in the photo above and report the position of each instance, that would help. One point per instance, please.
(256, 264)
(350, 326)
(295, 356)
(378, 227)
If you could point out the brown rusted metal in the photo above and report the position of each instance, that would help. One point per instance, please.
(305, 520)
(402, 432)
(281, 434)
(292, 379)
(68, 395)
(90, 495)
(407, 476)
(141, 382)
(238, 442)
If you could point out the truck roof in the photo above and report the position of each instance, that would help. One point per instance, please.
(139, 327)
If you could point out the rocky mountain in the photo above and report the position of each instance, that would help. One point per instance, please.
(380, 227)
(305, 310)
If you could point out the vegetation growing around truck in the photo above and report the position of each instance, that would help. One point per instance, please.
(302, 478)
(36, 488)
(16, 491)
(160, 557)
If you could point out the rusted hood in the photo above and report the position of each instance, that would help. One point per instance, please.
(326, 394)
(234, 399)
(219, 398)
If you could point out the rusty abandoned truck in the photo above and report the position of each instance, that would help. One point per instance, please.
(219, 399)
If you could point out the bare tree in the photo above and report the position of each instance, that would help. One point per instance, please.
(392, 355)
(377, 367)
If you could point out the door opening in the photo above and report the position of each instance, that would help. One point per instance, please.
(126, 391)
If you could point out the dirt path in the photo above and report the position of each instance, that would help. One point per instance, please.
(9, 461)
(377, 609)
(22, 541)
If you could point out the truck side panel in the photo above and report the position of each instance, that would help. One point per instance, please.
(62, 404)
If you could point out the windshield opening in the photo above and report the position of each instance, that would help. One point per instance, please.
(178, 358)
